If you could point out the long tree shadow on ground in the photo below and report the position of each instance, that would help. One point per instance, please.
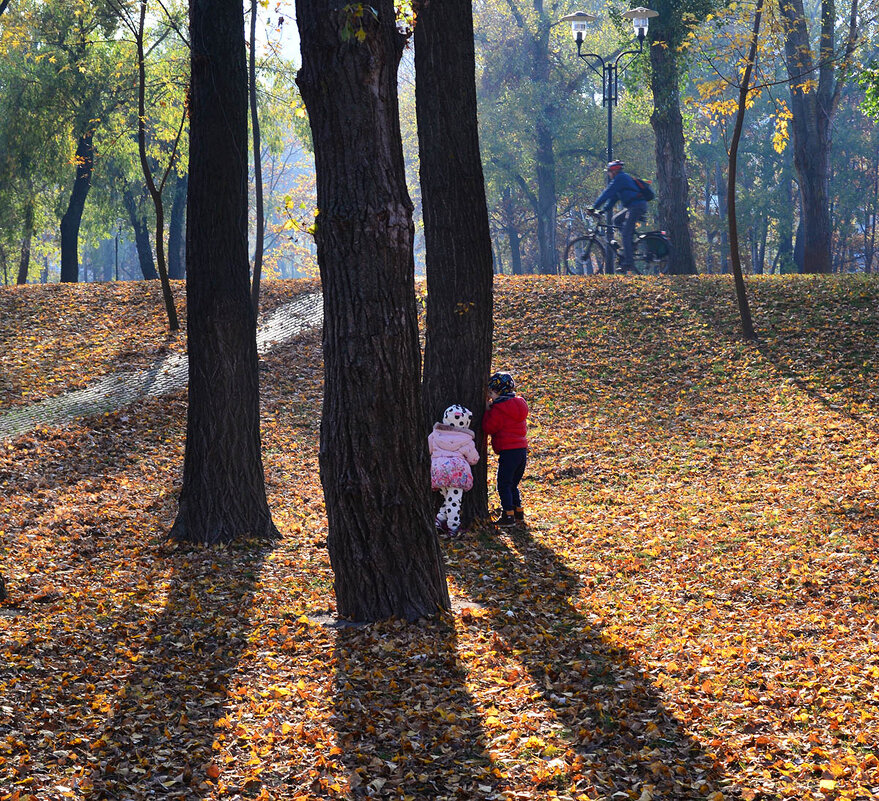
(819, 334)
(158, 740)
(620, 737)
(405, 722)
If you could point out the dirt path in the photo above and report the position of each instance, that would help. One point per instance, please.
(169, 375)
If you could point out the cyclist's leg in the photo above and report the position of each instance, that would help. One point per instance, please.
(634, 214)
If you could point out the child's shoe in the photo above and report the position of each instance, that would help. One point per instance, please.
(519, 514)
(506, 520)
(441, 526)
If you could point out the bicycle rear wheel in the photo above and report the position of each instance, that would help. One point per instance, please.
(585, 256)
(652, 251)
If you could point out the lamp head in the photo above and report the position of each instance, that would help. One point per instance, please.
(640, 20)
(579, 23)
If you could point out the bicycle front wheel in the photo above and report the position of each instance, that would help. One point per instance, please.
(585, 256)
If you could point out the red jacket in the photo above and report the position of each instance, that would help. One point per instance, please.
(505, 422)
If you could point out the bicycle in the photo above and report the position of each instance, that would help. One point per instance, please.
(587, 254)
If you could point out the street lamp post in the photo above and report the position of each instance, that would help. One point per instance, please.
(610, 74)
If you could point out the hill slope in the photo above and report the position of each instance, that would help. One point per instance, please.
(689, 613)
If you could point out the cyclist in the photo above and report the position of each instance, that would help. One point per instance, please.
(622, 188)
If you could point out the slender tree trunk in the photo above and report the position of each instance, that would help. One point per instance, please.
(373, 451)
(456, 229)
(741, 293)
(671, 157)
(139, 225)
(257, 164)
(155, 191)
(546, 200)
(722, 217)
(5, 263)
(871, 213)
(72, 219)
(785, 256)
(107, 258)
(26, 239)
(223, 496)
(177, 231)
(512, 232)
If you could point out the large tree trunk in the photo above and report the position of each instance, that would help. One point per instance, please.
(457, 354)
(223, 495)
(813, 107)
(671, 158)
(373, 455)
(70, 222)
(176, 231)
(26, 239)
(139, 224)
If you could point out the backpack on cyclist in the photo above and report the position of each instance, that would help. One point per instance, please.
(644, 188)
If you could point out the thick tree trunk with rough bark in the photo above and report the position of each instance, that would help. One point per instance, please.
(176, 231)
(141, 229)
(27, 236)
(223, 495)
(671, 158)
(373, 451)
(72, 219)
(457, 355)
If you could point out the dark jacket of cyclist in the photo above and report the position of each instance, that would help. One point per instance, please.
(623, 188)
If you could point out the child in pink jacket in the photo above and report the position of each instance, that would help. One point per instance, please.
(452, 451)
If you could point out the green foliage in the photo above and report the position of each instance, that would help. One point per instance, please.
(869, 82)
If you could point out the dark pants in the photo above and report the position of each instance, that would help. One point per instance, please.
(626, 219)
(510, 469)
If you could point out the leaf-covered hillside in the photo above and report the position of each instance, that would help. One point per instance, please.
(690, 612)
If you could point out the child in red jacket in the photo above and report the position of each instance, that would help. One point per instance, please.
(505, 421)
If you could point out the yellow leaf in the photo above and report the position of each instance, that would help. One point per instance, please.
(827, 784)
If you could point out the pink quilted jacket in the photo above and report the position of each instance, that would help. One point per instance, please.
(446, 442)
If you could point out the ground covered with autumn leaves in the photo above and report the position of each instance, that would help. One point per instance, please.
(690, 612)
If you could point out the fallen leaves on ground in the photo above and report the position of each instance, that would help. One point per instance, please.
(690, 612)
(60, 337)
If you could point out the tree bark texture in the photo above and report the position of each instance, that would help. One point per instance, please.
(813, 109)
(72, 219)
(26, 239)
(142, 243)
(373, 449)
(223, 495)
(671, 158)
(457, 354)
(177, 231)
